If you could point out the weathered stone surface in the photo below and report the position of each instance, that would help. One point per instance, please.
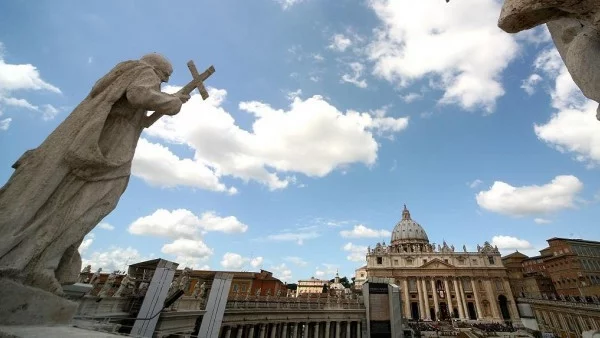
(575, 29)
(51, 332)
(62, 189)
(25, 305)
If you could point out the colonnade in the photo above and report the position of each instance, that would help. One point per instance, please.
(432, 299)
(306, 329)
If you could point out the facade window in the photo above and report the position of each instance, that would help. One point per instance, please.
(243, 288)
(445, 260)
(491, 259)
(475, 261)
(424, 261)
(362, 275)
(235, 288)
(395, 262)
(409, 261)
(379, 260)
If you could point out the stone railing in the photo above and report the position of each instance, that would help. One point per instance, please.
(582, 305)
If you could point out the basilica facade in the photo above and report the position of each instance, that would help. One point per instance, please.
(442, 282)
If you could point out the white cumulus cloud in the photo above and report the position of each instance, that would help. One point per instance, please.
(23, 77)
(354, 77)
(182, 223)
(506, 199)
(282, 272)
(106, 226)
(510, 243)
(361, 231)
(311, 137)
(420, 39)
(233, 261)
(114, 258)
(296, 260)
(357, 253)
(542, 220)
(573, 128)
(340, 42)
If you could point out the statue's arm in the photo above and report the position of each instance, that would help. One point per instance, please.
(142, 93)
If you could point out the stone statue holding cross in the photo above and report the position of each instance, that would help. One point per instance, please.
(62, 189)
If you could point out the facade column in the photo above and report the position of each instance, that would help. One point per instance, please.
(274, 330)
(337, 329)
(306, 328)
(358, 330)
(426, 299)
(476, 295)
(295, 331)
(348, 329)
(436, 304)
(227, 331)
(420, 297)
(449, 305)
(407, 312)
(284, 330)
(327, 329)
(251, 331)
(492, 299)
(240, 331)
(461, 314)
(514, 311)
(316, 335)
(263, 327)
(463, 297)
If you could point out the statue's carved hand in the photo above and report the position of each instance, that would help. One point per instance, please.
(183, 97)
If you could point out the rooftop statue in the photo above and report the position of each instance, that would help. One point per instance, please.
(62, 189)
(575, 30)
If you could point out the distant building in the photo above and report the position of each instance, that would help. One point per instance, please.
(243, 283)
(360, 277)
(310, 286)
(571, 266)
(558, 291)
(441, 282)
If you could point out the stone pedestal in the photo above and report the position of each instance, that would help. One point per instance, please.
(24, 305)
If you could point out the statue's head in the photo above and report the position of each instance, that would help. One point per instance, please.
(161, 65)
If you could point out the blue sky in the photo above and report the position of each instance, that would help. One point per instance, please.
(324, 118)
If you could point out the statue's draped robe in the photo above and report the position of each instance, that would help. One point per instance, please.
(63, 188)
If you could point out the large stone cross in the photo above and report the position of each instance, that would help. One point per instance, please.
(197, 82)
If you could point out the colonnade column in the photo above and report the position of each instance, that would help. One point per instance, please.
(337, 329)
(425, 299)
(492, 299)
(251, 331)
(262, 330)
(316, 335)
(295, 331)
(476, 295)
(306, 328)
(463, 298)
(461, 314)
(407, 312)
(348, 329)
(240, 331)
(358, 330)
(436, 304)
(274, 330)
(227, 331)
(284, 330)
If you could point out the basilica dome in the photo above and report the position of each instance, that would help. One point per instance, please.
(408, 231)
